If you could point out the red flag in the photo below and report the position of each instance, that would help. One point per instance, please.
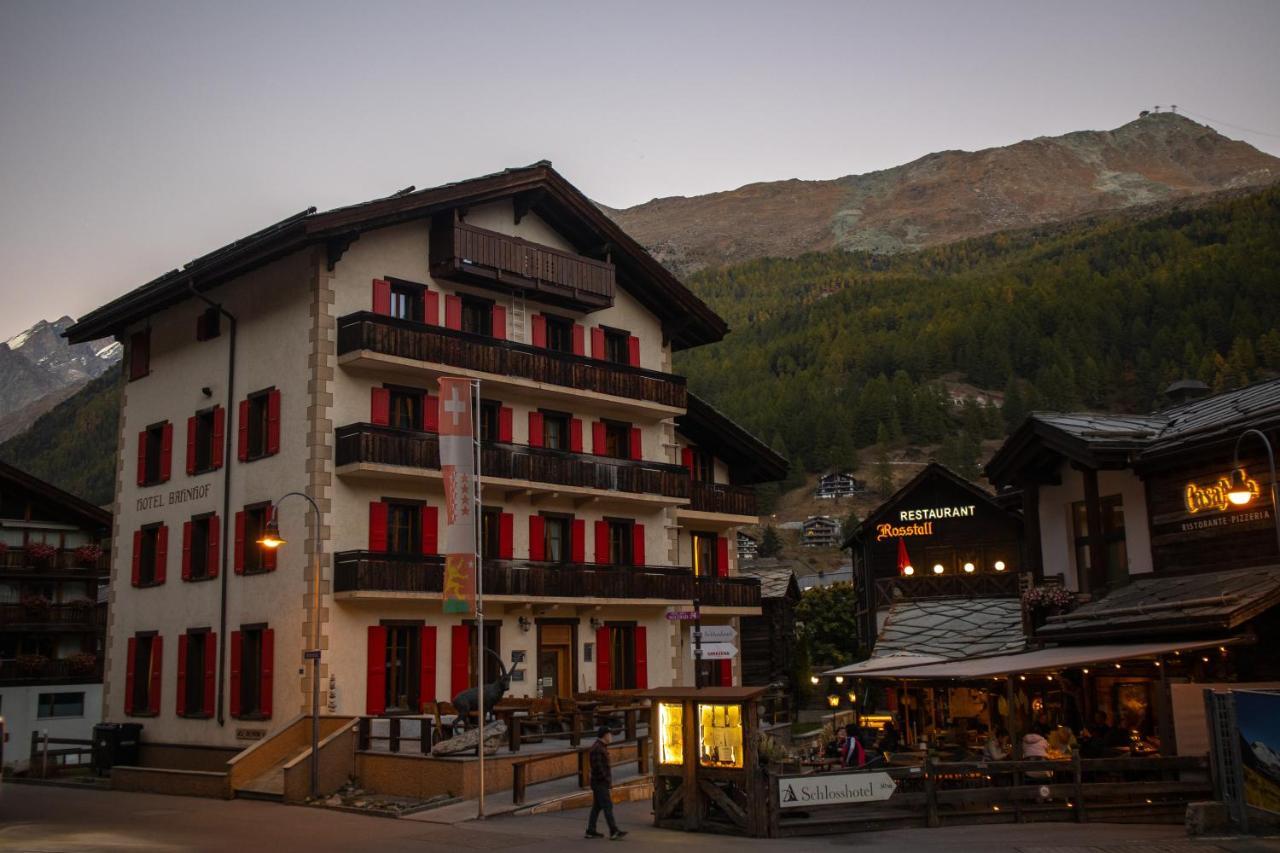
(904, 560)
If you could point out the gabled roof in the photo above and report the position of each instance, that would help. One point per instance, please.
(687, 320)
(933, 469)
(1039, 444)
(750, 460)
(777, 577)
(91, 516)
(935, 630)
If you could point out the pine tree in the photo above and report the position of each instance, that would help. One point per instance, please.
(883, 471)
(770, 542)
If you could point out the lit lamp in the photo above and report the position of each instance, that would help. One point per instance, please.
(1239, 492)
(908, 570)
(853, 697)
(839, 679)
(968, 567)
(999, 565)
(834, 700)
(271, 537)
(937, 568)
(813, 679)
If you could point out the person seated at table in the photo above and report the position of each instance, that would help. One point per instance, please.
(1035, 744)
(1062, 740)
(889, 739)
(1093, 739)
(993, 749)
(852, 753)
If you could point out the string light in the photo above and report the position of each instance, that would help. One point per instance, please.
(839, 679)
(999, 565)
(1022, 677)
(1085, 670)
(908, 570)
(968, 567)
(1117, 666)
(937, 568)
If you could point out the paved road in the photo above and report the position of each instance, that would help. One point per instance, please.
(42, 819)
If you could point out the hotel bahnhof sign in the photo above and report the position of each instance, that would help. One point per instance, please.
(923, 519)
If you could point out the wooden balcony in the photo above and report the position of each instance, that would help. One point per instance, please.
(722, 499)
(53, 672)
(54, 617)
(984, 585)
(389, 342)
(382, 445)
(64, 564)
(366, 571)
(464, 252)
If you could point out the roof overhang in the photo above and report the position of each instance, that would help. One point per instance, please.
(1036, 449)
(750, 460)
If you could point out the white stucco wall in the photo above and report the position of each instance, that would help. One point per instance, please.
(18, 707)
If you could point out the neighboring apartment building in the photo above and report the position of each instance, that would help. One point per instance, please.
(52, 568)
(839, 486)
(610, 495)
(820, 531)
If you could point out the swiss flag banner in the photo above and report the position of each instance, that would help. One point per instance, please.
(458, 466)
(904, 561)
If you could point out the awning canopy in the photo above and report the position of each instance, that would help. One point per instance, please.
(1039, 660)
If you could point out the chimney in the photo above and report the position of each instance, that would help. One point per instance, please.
(1185, 390)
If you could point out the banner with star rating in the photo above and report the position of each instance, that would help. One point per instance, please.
(458, 465)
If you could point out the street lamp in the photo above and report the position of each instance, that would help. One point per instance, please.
(1240, 492)
(272, 540)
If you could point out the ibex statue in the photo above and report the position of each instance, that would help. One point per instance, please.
(465, 702)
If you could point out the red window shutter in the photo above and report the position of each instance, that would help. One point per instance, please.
(142, 458)
(137, 557)
(579, 340)
(380, 406)
(157, 659)
(633, 351)
(453, 312)
(186, 556)
(237, 646)
(427, 670)
(597, 343)
(242, 439)
(210, 672)
(722, 557)
(575, 435)
(460, 653)
(637, 444)
(239, 555)
(431, 413)
(535, 429)
(578, 540)
(686, 459)
(637, 545)
(537, 538)
(375, 689)
(431, 308)
(268, 671)
(602, 542)
(381, 296)
(162, 552)
(539, 330)
(726, 673)
(642, 658)
(506, 536)
(499, 322)
(377, 526)
(603, 672)
(182, 674)
(273, 422)
(598, 442)
(504, 424)
(191, 445)
(219, 435)
(430, 530)
(166, 451)
(214, 548)
(130, 674)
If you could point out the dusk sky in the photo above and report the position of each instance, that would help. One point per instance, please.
(135, 136)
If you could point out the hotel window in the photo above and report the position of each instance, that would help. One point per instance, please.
(559, 333)
(251, 523)
(477, 316)
(259, 425)
(252, 654)
(205, 438)
(622, 657)
(405, 408)
(197, 654)
(555, 431)
(403, 665)
(620, 541)
(617, 440)
(150, 551)
(142, 674)
(208, 324)
(490, 414)
(50, 705)
(404, 528)
(704, 554)
(617, 346)
(1112, 534)
(406, 301)
(556, 541)
(702, 466)
(139, 354)
(491, 532)
(155, 449)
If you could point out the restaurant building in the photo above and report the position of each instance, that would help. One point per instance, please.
(53, 568)
(305, 357)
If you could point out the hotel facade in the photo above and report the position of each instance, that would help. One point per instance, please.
(306, 357)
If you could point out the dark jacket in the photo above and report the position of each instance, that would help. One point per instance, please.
(601, 773)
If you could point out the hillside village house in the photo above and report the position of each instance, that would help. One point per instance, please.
(820, 531)
(306, 357)
(52, 611)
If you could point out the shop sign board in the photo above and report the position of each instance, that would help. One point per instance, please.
(714, 651)
(833, 789)
(716, 634)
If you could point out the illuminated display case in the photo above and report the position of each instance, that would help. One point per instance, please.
(670, 733)
(720, 735)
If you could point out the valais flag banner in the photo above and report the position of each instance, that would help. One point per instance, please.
(458, 464)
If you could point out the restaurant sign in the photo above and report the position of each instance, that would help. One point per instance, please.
(1213, 497)
(924, 519)
(832, 789)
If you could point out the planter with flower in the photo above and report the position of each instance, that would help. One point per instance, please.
(81, 609)
(82, 663)
(32, 665)
(36, 607)
(1041, 602)
(41, 554)
(87, 556)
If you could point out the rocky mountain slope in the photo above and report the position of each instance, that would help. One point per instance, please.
(39, 369)
(950, 195)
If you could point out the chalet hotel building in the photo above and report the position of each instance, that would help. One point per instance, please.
(305, 357)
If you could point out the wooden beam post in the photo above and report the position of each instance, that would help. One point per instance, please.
(931, 789)
(1096, 577)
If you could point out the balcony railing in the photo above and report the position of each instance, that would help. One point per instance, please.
(392, 336)
(985, 585)
(392, 446)
(462, 251)
(54, 671)
(16, 560)
(367, 571)
(722, 498)
(69, 616)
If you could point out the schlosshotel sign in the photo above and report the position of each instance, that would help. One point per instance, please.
(177, 496)
(834, 789)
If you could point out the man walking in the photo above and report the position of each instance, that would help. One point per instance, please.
(601, 782)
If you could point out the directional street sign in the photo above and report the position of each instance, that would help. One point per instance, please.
(717, 634)
(714, 651)
(681, 616)
(833, 789)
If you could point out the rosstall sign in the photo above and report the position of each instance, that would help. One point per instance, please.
(927, 515)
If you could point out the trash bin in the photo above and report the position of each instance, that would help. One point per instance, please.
(127, 747)
(115, 743)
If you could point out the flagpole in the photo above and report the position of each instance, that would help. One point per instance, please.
(479, 542)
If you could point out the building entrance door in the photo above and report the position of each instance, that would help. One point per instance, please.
(555, 660)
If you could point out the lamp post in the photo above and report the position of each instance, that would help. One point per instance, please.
(1241, 493)
(271, 539)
